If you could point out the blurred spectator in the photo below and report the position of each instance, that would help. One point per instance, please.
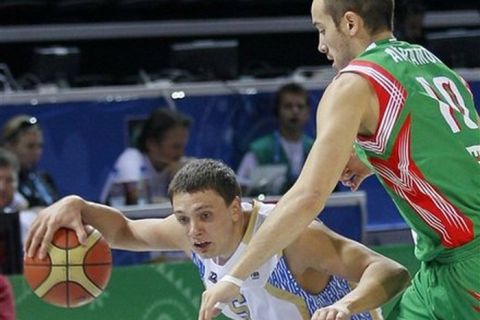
(10, 199)
(275, 160)
(7, 301)
(142, 174)
(23, 136)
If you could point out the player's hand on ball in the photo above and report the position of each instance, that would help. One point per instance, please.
(71, 275)
(64, 213)
(332, 312)
(212, 299)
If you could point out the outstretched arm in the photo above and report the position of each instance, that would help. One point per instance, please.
(378, 278)
(74, 212)
(346, 107)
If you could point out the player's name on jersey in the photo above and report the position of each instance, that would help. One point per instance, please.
(418, 56)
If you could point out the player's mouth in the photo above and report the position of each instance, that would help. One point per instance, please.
(201, 245)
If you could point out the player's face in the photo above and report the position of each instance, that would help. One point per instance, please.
(170, 149)
(208, 222)
(28, 148)
(8, 185)
(293, 111)
(333, 40)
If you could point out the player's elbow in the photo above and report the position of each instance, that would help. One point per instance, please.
(404, 277)
(398, 280)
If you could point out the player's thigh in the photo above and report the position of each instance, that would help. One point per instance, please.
(459, 289)
(410, 306)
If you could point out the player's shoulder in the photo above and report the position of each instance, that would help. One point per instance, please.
(348, 87)
(348, 80)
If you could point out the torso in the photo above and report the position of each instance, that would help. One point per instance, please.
(426, 148)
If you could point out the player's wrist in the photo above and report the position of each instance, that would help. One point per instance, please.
(234, 280)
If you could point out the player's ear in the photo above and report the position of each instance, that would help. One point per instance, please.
(352, 21)
(236, 208)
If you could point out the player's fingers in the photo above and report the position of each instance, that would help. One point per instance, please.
(341, 316)
(331, 315)
(36, 239)
(211, 311)
(204, 314)
(320, 314)
(216, 311)
(204, 308)
(45, 242)
(80, 231)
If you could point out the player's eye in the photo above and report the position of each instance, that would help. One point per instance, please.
(206, 215)
(182, 220)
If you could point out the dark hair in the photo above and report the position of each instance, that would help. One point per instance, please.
(160, 121)
(289, 88)
(16, 125)
(8, 160)
(377, 14)
(206, 174)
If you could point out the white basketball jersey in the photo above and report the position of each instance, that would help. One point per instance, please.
(271, 292)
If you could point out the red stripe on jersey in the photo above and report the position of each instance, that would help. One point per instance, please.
(391, 97)
(476, 295)
(403, 177)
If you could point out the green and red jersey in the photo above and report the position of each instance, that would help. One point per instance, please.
(426, 149)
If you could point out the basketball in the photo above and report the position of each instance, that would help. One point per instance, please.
(72, 274)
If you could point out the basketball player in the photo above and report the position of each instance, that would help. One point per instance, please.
(213, 227)
(416, 121)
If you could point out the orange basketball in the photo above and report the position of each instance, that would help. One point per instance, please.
(71, 275)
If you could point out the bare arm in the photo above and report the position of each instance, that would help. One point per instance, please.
(347, 107)
(340, 115)
(379, 278)
(73, 212)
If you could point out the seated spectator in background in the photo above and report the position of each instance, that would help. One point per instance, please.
(23, 136)
(10, 199)
(7, 301)
(285, 148)
(143, 173)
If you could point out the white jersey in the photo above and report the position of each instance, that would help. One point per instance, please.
(271, 292)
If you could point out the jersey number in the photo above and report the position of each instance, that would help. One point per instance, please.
(449, 100)
(239, 306)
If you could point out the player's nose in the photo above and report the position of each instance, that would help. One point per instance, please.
(322, 48)
(194, 228)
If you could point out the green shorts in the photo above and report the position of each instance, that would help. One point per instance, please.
(447, 288)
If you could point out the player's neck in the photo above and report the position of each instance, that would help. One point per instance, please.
(382, 35)
(236, 239)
